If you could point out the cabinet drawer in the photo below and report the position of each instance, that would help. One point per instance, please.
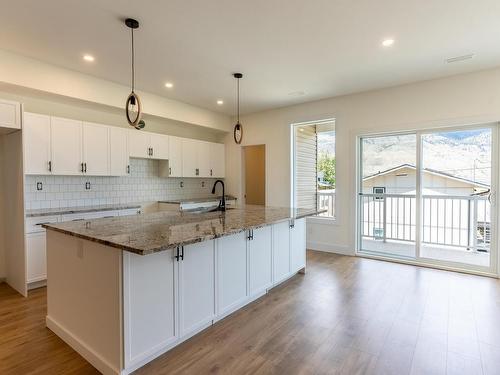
(34, 224)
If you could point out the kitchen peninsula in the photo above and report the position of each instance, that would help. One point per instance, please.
(124, 290)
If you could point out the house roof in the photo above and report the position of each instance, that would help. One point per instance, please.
(427, 170)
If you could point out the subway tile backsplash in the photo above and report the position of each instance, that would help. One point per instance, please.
(142, 185)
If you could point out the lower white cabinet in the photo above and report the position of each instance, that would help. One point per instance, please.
(150, 300)
(260, 260)
(196, 286)
(281, 251)
(297, 245)
(36, 265)
(232, 286)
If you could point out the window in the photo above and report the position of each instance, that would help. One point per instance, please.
(314, 177)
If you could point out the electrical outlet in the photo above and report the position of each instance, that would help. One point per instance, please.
(182, 184)
(87, 185)
(202, 183)
(39, 186)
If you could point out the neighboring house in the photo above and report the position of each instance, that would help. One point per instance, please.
(402, 180)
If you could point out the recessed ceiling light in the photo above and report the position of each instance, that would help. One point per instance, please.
(89, 58)
(220, 102)
(169, 85)
(387, 42)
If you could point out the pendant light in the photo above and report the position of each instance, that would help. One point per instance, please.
(133, 107)
(238, 128)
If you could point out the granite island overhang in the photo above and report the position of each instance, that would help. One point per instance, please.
(122, 291)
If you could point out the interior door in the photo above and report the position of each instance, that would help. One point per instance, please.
(255, 174)
(36, 133)
(95, 149)
(66, 141)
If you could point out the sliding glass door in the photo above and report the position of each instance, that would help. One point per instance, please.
(427, 196)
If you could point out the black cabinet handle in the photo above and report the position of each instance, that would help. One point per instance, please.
(81, 167)
(128, 169)
(182, 254)
(152, 151)
(50, 166)
(177, 254)
(211, 172)
(250, 235)
(169, 171)
(85, 167)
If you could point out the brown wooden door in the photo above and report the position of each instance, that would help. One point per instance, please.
(255, 174)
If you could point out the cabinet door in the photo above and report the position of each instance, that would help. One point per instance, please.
(231, 272)
(260, 260)
(175, 156)
(10, 114)
(196, 287)
(150, 304)
(203, 158)
(95, 149)
(139, 144)
(217, 160)
(190, 158)
(159, 146)
(36, 134)
(298, 245)
(66, 142)
(36, 257)
(118, 151)
(281, 251)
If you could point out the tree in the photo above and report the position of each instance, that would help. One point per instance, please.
(326, 164)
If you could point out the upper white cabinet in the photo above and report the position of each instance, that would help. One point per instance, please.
(118, 151)
(175, 157)
(138, 143)
(66, 142)
(10, 114)
(148, 145)
(217, 160)
(95, 149)
(190, 158)
(36, 139)
(60, 146)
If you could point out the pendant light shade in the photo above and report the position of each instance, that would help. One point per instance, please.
(238, 128)
(133, 107)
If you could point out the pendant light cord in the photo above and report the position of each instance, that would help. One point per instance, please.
(133, 59)
(238, 101)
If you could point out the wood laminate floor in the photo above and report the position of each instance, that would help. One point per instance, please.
(345, 316)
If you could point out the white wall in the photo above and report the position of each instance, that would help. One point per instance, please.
(464, 99)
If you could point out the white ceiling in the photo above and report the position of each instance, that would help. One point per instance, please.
(322, 48)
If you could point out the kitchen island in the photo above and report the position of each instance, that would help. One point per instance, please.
(122, 291)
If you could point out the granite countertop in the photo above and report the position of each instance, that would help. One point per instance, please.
(81, 209)
(158, 231)
(198, 200)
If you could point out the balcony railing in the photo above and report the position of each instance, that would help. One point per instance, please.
(458, 221)
(326, 200)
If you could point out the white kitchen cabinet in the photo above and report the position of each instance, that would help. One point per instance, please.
(260, 260)
(36, 253)
(175, 157)
(203, 158)
(148, 145)
(231, 273)
(10, 114)
(139, 144)
(190, 166)
(298, 245)
(281, 251)
(159, 146)
(196, 287)
(95, 145)
(217, 160)
(66, 141)
(36, 139)
(118, 151)
(150, 301)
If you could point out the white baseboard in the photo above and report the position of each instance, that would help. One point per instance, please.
(95, 360)
(330, 248)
